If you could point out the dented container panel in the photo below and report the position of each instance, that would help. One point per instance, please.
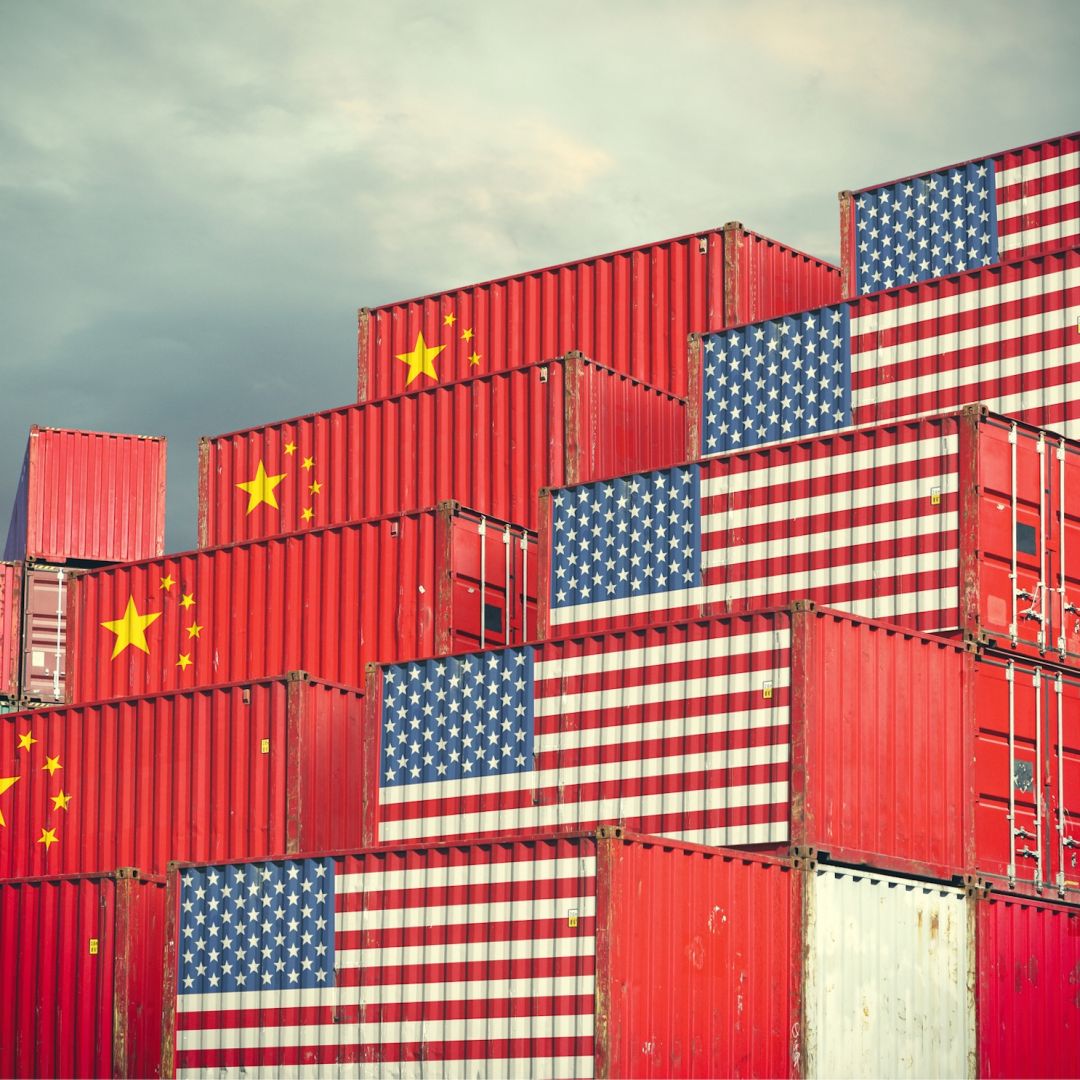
(44, 633)
(11, 574)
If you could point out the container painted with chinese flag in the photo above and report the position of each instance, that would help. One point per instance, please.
(630, 310)
(571, 955)
(83, 962)
(223, 772)
(10, 628)
(328, 602)
(89, 496)
(1028, 972)
(961, 217)
(964, 523)
(490, 442)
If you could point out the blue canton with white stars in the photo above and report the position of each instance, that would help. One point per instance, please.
(932, 225)
(461, 717)
(781, 379)
(633, 536)
(257, 926)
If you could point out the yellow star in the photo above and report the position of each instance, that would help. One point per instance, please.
(167, 582)
(130, 628)
(187, 600)
(466, 335)
(184, 662)
(474, 359)
(261, 488)
(307, 513)
(51, 764)
(47, 837)
(308, 463)
(60, 802)
(26, 740)
(290, 448)
(194, 630)
(449, 320)
(420, 359)
(316, 488)
(5, 783)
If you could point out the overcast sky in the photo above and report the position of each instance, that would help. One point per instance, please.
(196, 197)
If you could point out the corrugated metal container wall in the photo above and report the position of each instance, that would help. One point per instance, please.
(962, 523)
(1013, 203)
(490, 442)
(88, 496)
(10, 628)
(630, 310)
(82, 992)
(1003, 336)
(229, 772)
(1028, 972)
(780, 728)
(44, 633)
(889, 987)
(314, 602)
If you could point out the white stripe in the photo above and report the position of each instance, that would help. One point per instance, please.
(474, 873)
(1032, 204)
(763, 832)
(472, 952)
(1041, 234)
(573, 814)
(1036, 170)
(477, 911)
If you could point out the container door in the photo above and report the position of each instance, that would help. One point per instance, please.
(45, 634)
(10, 621)
(1063, 782)
(1064, 484)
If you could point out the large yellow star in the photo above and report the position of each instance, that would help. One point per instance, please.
(130, 628)
(5, 783)
(420, 359)
(261, 488)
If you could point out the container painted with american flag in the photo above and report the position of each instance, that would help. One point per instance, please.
(777, 729)
(224, 772)
(11, 574)
(83, 966)
(961, 217)
(963, 523)
(630, 310)
(328, 601)
(1005, 336)
(490, 442)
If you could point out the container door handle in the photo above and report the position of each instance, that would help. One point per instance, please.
(482, 531)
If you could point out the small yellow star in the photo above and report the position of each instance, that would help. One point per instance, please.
(290, 448)
(187, 600)
(47, 837)
(420, 359)
(316, 488)
(307, 513)
(130, 628)
(474, 359)
(167, 582)
(60, 802)
(466, 335)
(184, 662)
(194, 630)
(449, 320)
(5, 783)
(307, 463)
(26, 740)
(51, 764)
(260, 489)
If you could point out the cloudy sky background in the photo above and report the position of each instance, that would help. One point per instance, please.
(196, 197)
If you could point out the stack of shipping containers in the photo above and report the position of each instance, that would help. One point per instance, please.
(682, 711)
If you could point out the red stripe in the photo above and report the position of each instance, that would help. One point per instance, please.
(379, 898)
(488, 932)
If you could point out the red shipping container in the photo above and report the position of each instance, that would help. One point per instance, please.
(44, 633)
(964, 523)
(83, 962)
(225, 772)
(10, 628)
(89, 496)
(491, 442)
(1027, 974)
(1012, 203)
(317, 601)
(630, 310)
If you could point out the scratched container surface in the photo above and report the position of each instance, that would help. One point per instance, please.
(1028, 980)
(1003, 336)
(964, 523)
(89, 496)
(961, 217)
(82, 989)
(630, 310)
(10, 628)
(44, 633)
(327, 602)
(490, 442)
(224, 772)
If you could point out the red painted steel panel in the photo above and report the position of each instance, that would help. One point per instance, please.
(328, 602)
(1027, 994)
(10, 628)
(227, 772)
(88, 496)
(83, 961)
(490, 442)
(630, 310)
(44, 633)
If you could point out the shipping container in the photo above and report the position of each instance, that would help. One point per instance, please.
(630, 310)
(961, 217)
(225, 772)
(10, 629)
(83, 964)
(964, 523)
(1003, 336)
(490, 442)
(1028, 988)
(328, 602)
(89, 496)
(44, 632)
(527, 958)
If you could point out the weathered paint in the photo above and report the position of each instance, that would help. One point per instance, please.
(10, 628)
(44, 633)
